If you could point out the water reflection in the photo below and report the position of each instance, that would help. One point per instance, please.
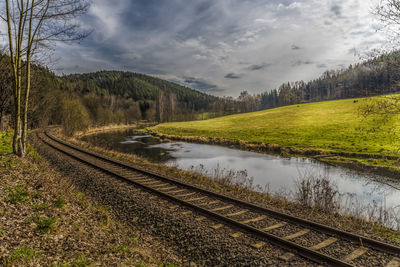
(275, 172)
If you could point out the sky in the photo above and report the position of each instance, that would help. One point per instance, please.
(222, 47)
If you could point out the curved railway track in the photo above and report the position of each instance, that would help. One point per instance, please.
(316, 242)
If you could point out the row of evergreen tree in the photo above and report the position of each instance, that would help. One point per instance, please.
(377, 76)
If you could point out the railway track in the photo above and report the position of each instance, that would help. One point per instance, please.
(316, 242)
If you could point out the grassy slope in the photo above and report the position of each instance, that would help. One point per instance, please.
(331, 125)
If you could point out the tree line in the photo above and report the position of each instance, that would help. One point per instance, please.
(80, 100)
(376, 76)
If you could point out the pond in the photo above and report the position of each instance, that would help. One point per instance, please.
(275, 173)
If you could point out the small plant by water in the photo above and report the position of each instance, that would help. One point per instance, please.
(317, 192)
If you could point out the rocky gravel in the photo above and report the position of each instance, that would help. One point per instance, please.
(196, 242)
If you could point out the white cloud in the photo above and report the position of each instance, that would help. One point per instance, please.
(209, 39)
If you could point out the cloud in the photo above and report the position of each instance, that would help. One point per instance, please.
(129, 56)
(303, 62)
(337, 10)
(352, 51)
(222, 47)
(295, 47)
(201, 84)
(259, 66)
(232, 75)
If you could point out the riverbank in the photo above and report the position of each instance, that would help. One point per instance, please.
(281, 202)
(46, 221)
(106, 128)
(332, 131)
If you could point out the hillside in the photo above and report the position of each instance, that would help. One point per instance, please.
(101, 98)
(376, 76)
(333, 126)
(135, 86)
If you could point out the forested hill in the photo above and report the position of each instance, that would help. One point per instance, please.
(138, 87)
(377, 76)
(104, 97)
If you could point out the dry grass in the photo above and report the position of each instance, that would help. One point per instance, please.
(45, 221)
(106, 128)
(238, 184)
(319, 193)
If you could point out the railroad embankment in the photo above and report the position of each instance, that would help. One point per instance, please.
(329, 213)
(45, 220)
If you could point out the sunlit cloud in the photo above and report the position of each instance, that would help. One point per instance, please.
(223, 47)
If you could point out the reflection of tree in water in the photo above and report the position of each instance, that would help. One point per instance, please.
(129, 142)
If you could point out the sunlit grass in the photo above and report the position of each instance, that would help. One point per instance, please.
(5, 141)
(332, 125)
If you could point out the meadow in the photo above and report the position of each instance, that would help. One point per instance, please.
(331, 126)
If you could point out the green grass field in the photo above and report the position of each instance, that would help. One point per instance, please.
(332, 125)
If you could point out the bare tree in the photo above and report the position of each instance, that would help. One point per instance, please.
(388, 12)
(31, 26)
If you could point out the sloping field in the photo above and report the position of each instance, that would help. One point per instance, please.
(335, 126)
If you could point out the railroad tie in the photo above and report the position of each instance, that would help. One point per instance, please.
(258, 244)
(151, 182)
(186, 212)
(167, 188)
(157, 185)
(395, 262)
(222, 208)
(160, 185)
(254, 219)
(174, 207)
(236, 235)
(297, 234)
(141, 180)
(135, 176)
(216, 226)
(355, 254)
(325, 243)
(201, 218)
(236, 213)
(196, 198)
(186, 195)
(211, 202)
(176, 191)
(287, 256)
(275, 226)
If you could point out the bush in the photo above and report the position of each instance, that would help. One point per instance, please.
(317, 192)
(74, 116)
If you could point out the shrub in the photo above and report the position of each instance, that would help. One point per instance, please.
(74, 116)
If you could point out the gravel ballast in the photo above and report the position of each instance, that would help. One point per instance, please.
(196, 242)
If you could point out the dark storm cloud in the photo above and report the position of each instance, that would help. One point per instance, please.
(201, 84)
(232, 75)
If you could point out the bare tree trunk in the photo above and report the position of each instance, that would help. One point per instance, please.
(48, 22)
(15, 63)
(28, 85)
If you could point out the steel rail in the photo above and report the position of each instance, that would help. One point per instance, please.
(355, 238)
(291, 246)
